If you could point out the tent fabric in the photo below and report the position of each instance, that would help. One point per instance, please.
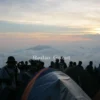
(31, 83)
(55, 85)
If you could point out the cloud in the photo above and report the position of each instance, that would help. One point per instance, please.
(51, 12)
(11, 27)
(13, 41)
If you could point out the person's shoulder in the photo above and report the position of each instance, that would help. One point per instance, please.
(78, 68)
(88, 66)
(69, 69)
(2, 71)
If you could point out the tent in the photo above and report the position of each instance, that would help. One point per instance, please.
(50, 84)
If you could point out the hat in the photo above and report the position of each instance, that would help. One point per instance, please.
(11, 59)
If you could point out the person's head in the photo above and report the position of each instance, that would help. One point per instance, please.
(11, 61)
(42, 64)
(39, 65)
(57, 60)
(22, 62)
(62, 60)
(80, 63)
(74, 63)
(52, 63)
(26, 62)
(91, 63)
(70, 63)
(32, 62)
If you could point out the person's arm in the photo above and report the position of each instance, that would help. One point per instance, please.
(3, 77)
(4, 80)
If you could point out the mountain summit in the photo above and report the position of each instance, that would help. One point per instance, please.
(40, 47)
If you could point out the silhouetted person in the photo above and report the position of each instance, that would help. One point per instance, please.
(89, 68)
(99, 70)
(96, 74)
(26, 62)
(70, 64)
(52, 65)
(80, 64)
(62, 64)
(57, 64)
(40, 65)
(74, 64)
(83, 79)
(21, 66)
(88, 80)
(95, 70)
(26, 65)
(8, 77)
(22, 63)
(28, 75)
(33, 65)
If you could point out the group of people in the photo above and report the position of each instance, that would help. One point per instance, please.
(15, 76)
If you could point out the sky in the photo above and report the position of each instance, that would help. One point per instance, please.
(30, 22)
(59, 13)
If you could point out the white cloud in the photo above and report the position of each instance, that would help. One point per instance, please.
(52, 12)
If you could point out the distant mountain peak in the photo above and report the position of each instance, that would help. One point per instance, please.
(40, 47)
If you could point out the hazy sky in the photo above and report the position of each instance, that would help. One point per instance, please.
(24, 22)
(68, 13)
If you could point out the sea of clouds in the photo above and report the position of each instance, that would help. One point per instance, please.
(72, 51)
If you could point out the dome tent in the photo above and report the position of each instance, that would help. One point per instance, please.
(53, 85)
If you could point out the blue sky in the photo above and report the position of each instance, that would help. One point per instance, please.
(68, 16)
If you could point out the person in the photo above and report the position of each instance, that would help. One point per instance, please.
(99, 69)
(40, 65)
(27, 76)
(26, 63)
(8, 78)
(74, 64)
(83, 79)
(70, 64)
(62, 64)
(89, 68)
(57, 64)
(26, 66)
(80, 64)
(33, 65)
(22, 66)
(52, 65)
